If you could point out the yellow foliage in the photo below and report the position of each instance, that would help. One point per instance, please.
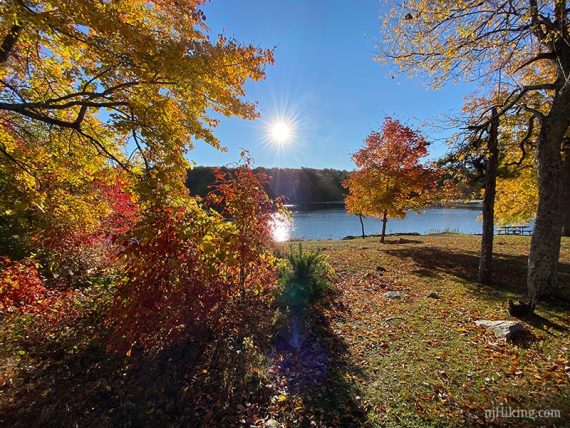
(124, 77)
(517, 198)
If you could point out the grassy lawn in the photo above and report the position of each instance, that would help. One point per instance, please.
(418, 361)
(366, 361)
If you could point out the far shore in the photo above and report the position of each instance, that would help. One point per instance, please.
(451, 204)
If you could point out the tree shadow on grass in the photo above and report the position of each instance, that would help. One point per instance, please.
(216, 381)
(318, 376)
(509, 272)
(544, 324)
(217, 384)
(524, 340)
(395, 240)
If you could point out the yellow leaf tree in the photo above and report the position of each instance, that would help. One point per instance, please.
(146, 72)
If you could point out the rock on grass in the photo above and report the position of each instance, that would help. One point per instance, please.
(392, 294)
(504, 329)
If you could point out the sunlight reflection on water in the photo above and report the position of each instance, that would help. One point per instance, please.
(281, 227)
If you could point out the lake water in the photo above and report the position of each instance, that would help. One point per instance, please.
(330, 221)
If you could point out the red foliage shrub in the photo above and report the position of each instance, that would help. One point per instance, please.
(77, 258)
(241, 197)
(189, 272)
(20, 285)
(171, 284)
(64, 322)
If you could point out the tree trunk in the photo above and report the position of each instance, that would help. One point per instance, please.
(566, 189)
(361, 225)
(542, 278)
(486, 258)
(384, 221)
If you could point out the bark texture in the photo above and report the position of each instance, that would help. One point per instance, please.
(486, 258)
(361, 225)
(566, 186)
(542, 279)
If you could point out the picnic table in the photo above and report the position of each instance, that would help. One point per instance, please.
(515, 230)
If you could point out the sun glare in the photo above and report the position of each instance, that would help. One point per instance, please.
(280, 132)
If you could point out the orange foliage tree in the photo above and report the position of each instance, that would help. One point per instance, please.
(389, 179)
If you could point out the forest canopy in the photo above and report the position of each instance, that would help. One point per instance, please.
(297, 185)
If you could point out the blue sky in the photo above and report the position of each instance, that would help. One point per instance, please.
(324, 80)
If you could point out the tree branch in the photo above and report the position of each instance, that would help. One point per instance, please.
(524, 140)
(101, 147)
(87, 99)
(540, 56)
(9, 42)
(511, 100)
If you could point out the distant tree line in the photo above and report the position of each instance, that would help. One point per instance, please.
(297, 185)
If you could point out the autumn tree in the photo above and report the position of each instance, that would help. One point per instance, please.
(502, 148)
(517, 190)
(477, 40)
(118, 75)
(191, 271)
(100, 101)
(517, 185)
(99, 95)
(389, 179)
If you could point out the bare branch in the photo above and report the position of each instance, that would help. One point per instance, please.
(512, 100)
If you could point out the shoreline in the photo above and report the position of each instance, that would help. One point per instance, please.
(474, 204)
(389, 235)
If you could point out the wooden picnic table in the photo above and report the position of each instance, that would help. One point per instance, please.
(515, 230)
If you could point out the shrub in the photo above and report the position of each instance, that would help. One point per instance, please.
(20, 285)
(72, 260)
(64, 322)
(240, 196)
(190, 272)
(304, 279)
(170, 287)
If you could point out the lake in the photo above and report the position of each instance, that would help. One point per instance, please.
(330, 221)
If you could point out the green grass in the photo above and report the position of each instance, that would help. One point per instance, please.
(423, 361)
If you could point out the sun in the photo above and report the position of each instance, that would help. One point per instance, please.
(280, 132)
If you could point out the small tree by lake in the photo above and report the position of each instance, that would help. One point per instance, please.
(389, 178)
